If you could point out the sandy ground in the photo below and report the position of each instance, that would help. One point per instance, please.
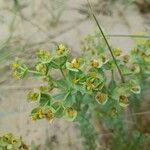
(72, 27)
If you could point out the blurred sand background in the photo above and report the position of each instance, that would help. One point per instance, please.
(33, 26)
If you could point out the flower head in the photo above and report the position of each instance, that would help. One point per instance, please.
(41, 68)
(70, 113)
(117, 52)
(134, 87)
(43, 55)
(61, 49)
(75, 63)
(9, 141)
(123, 101)
(33, 96)
(95, 63)
(41, 113)
(19, 69)
(90, 85)
(126, 58)
(49, 115)
(135, 68)
(101, 98)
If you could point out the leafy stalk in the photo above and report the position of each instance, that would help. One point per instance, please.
(87, 131)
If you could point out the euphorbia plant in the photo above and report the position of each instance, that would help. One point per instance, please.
(84, 89)
(84, 83)
(80, 77)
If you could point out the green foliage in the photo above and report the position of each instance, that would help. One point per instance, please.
(84, 83)
(88, 131)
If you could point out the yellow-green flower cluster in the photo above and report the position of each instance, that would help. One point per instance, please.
(19, 69)
(70, 113)
(94, 81)
(10, 142)
(43, 55)
(41, 113)
(101, 98)
(117, 52)
(126, 58)
(41, 68)
(61, 49)
(33, 96)
(123, 101)
(134, 87)
(75, 65)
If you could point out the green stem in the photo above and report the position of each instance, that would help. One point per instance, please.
(31, 71)
(128, 35)
(111, 52)
(62, 72)
(112, 76)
